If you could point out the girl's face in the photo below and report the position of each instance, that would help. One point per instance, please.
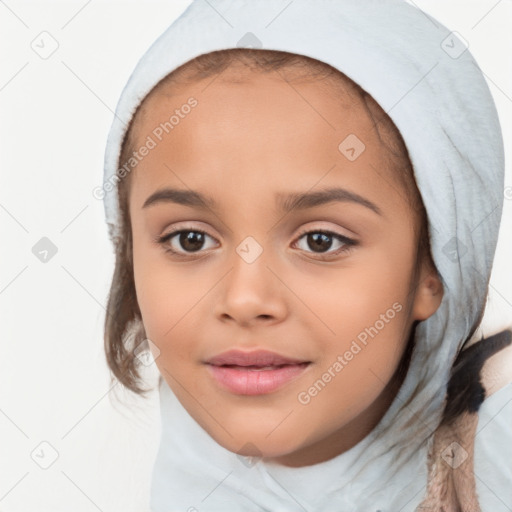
(328, 282)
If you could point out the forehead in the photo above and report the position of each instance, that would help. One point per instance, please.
(230, 106)
(240, 89)
(255, 128)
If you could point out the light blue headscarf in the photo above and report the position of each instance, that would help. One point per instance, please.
(424, 77)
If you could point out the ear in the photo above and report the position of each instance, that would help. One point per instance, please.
(429, 294)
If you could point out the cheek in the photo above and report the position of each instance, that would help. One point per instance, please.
(173, 300)
(164, 301)
(353, 299)
(366, 310)
(159, 294)
(354, 369)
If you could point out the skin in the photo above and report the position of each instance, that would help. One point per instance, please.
(243, 143)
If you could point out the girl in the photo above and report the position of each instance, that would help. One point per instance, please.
(305, 209)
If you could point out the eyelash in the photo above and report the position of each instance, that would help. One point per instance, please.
(349, 243)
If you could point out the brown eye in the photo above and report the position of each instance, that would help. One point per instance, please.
(191, 240)
(184, 241)
(320, 242)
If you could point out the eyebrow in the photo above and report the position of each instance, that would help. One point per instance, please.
(286, 202)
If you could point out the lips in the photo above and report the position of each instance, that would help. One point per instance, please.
(259, 359)
(254, 373)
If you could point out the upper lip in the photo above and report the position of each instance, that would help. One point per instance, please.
(254, 358)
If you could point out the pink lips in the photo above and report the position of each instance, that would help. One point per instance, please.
(254, 373)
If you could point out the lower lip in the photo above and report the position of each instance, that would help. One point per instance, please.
(255, 382)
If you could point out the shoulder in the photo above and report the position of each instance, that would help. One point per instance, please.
(493, 438)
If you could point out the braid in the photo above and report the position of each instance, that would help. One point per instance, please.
(451, 480)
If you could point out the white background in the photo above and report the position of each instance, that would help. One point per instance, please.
(55, 117)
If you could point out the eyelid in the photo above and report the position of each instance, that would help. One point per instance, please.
(183, 226)
(176, 230)
(316, 228)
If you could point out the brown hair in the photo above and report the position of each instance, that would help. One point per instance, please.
(124, 330)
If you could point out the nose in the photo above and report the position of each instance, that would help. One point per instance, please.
(251, 293)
